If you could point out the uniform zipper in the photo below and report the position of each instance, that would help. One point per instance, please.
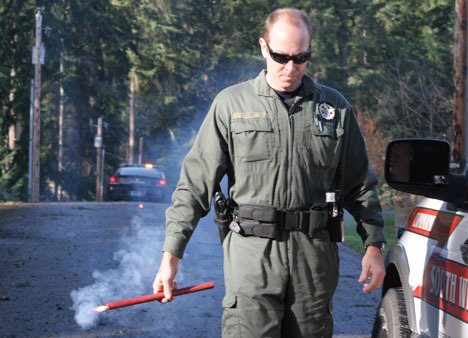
(291, 113)
(290, 151)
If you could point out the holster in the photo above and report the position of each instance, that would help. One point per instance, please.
(223, 226)
(223, 214)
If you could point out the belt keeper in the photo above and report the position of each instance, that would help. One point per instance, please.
(304, 221)
(290, 219)
(300, 217)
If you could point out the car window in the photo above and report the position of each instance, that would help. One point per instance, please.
(137, 171)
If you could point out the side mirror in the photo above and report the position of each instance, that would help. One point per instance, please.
(418, 162)
(421, 167)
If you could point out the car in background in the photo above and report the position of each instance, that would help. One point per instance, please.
(138, 183)
(425, 291)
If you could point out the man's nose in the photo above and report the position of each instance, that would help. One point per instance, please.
(289, 65)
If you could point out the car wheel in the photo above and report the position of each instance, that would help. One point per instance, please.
(391, 319)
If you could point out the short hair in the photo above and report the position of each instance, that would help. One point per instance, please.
(294, 16)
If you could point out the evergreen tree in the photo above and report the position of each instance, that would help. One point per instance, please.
(392, 59)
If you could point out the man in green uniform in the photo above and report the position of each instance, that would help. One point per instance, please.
(284, 142)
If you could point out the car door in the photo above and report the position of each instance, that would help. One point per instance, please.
(441, 296)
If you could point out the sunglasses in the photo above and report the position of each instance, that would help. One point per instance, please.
(298, 59)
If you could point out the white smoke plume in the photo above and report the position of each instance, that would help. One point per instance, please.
(137, 258)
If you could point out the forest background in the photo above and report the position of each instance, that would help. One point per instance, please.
(393, 59)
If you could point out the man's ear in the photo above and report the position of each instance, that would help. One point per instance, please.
(263, 47)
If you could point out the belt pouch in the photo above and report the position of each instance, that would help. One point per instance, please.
(257, 220)
(258, 213)
(336, 228)
(318, 219)
(258, 229)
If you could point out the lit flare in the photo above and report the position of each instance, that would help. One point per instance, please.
(101, 308)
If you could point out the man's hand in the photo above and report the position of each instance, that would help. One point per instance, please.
(164, 280)
(372, 267)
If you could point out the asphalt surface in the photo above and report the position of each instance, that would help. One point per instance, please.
(58, 261)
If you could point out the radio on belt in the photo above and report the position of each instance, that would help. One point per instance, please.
(336, 223)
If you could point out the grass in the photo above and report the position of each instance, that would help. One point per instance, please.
(353, 240)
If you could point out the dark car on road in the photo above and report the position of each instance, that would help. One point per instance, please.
(138, 183)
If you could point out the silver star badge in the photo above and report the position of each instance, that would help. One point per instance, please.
(327, 111)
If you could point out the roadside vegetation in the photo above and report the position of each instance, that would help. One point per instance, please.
(353, 240)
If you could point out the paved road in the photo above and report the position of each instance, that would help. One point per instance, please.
(59, 260)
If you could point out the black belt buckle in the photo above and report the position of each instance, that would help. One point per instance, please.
(296, 220)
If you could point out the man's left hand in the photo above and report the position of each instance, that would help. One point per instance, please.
(372, 267)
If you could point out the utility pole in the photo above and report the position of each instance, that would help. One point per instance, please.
(459, 144)
(36, 139)
(99, 160)
(60, 125)
(140, 151)
(31, 132)
(131, 133)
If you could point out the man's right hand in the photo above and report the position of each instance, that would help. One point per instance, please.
(164, 280)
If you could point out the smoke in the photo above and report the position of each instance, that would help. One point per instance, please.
(138, 257)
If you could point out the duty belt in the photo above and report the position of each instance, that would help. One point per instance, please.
(263, 221)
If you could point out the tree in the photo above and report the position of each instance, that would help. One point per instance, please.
(414, 92)
(16, 24)
(392, 59)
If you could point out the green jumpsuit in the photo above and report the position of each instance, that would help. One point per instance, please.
(284, 159)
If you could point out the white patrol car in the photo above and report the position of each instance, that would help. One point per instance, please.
(425, 292)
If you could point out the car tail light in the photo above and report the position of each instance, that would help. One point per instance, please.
(113, 179)
(161, 181)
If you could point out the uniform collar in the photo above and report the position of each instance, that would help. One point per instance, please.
(309, 87)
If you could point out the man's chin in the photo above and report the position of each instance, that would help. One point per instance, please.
(288, 81)
(289, 86)
(284, 83)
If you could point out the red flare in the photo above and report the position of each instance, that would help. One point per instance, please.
(151, 297)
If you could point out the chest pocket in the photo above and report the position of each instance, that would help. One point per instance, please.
(252, 143)
(325, 145)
